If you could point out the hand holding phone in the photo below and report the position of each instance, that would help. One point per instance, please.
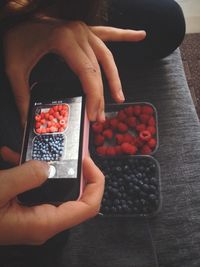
(34, 225)
(56, 132)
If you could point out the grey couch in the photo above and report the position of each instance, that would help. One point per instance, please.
(172, 238)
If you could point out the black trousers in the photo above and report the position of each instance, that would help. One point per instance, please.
(163, 21)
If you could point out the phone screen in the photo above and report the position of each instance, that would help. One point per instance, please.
(54, 135)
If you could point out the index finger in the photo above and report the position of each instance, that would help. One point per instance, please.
(116, 34)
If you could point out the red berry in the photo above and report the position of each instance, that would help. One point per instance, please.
(51, 111)
(110, 151)
(37, 117)
(151, 129)
(98, 140)
(46, 115)
(108, 133)
(152, 142)
(129, 111)
(37, 125)
(97, 127)
(39, 130)
(113, 123)
(118, 150)
(137, 109)
(138, 142)
(145, 135)
(121, 115)
(43, 121)
(128, 137)
(106, 123)
(140, 127)
(146, 150)
(122, 127)
(119, 138)
(128, 149)
(131, 121)
(151, 121)
(61, 129)
(144, 118)
(62, 122)
(63, 112)
(101, 150)
(55, 108)
(51, 117)
(42, 114)
(147, 109)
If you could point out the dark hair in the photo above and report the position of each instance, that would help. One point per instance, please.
(89, 11)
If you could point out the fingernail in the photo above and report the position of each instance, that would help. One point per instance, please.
(102, 116)
(120, 95)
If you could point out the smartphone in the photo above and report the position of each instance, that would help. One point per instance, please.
(56, 132)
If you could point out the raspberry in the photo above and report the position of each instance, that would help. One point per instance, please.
(145, 135)
(110, 151)
(37, 125)
(113, 123)
(128, 138)
(152, 142)
(151, 129)
(121, 115)
(46, 115)
(51, 117)
(144, 118)
(138, 142)
(97, 127)
(62, 122)
(61, 129)
(137, 110)
(98, 140)
(151, 121)
(122, 127)
(42, 114)
(147, 109)
(129, 111)
(106, 123)
(119, 138)
(51, 111)
(131, 121)
(146, 150)
(39, 130)
(63, 112)
(108, 133)
(55, 108)
(37, 117)
(128, 148)
(118, 150)
(43, 121)
(101, 150)
(60, 107)
(140, 127)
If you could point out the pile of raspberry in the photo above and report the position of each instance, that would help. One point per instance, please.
(132, 130)
(53, 120)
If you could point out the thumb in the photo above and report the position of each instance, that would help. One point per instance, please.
(22, 178)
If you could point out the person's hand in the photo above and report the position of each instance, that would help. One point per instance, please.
(35, 225)
(81, 46)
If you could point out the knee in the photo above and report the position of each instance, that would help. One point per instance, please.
(163, 22)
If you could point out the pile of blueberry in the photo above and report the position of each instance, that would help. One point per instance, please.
(132, 185)
(48, 147)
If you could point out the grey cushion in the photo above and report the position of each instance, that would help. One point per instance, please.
(172, 238)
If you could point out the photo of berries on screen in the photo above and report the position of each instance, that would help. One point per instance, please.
(53, 119)
(129, 129)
